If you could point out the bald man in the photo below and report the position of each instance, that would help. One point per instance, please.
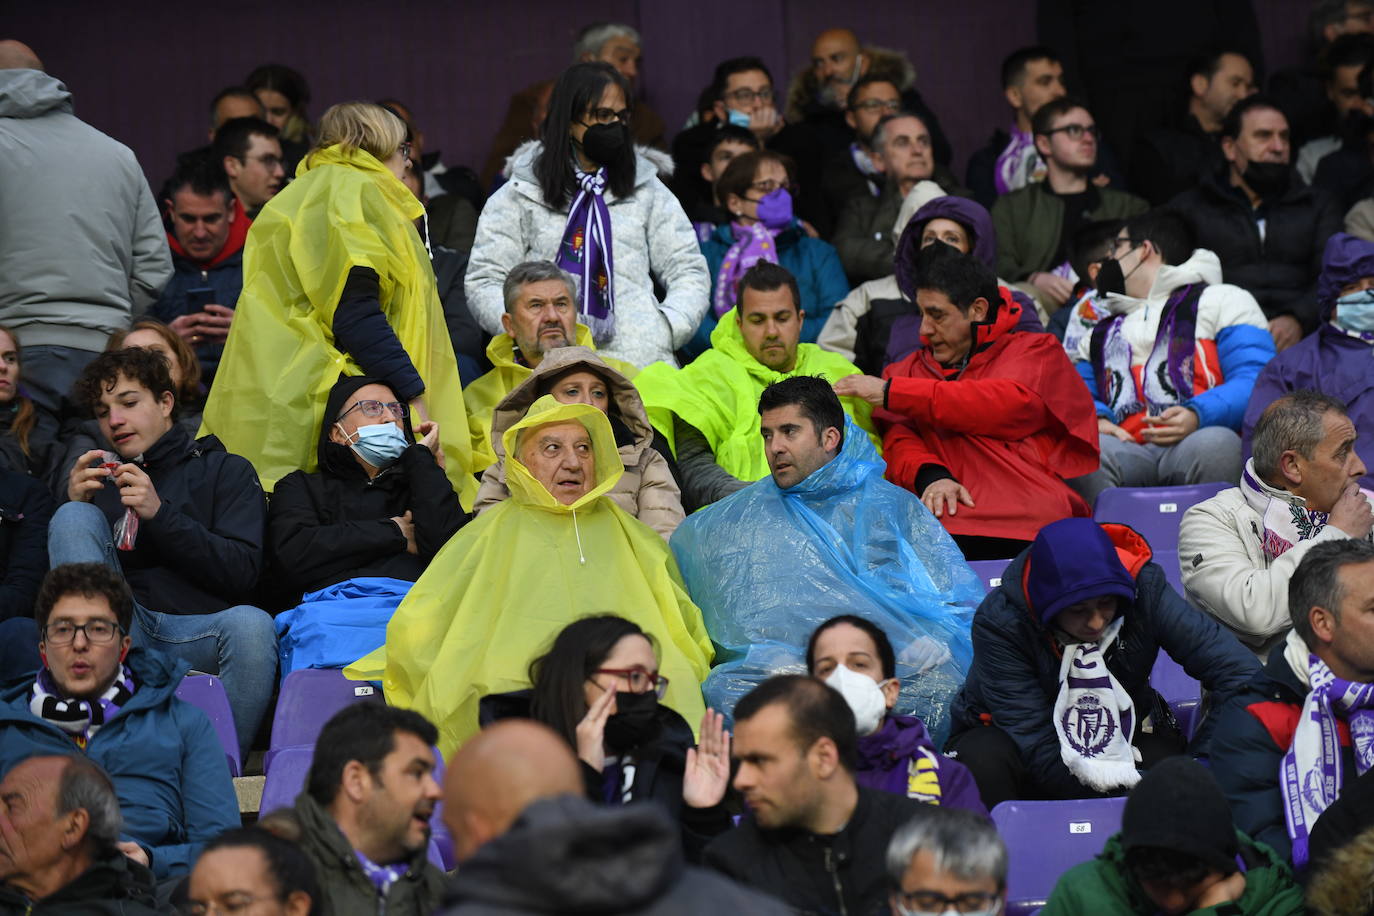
(15, 55)
(529, 842)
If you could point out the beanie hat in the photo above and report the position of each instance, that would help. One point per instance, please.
(1073, 560)
(1179, 806)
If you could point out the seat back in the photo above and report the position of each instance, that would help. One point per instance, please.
(1182, 692)
(1046, 838)
(309, 698)
(1155, 513)
(989, 571)
(206, 693)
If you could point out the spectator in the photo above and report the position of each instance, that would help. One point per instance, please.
(621, 215)
(1178, 851)
(896, 753)
(540, 315)
(1339, 888)
(27, 435)
(1170, 160)
(599, 688)
(1259, 188)
(825, 524)
(855, 172)
(1240, 548)
(947, 858)
(647, 490)
(983, 423)
(348, 540)
(756, 189)
(230, 103)
(209, 228)
(251, 867)
(555, 551)
(1300, 92)
(812, 836)
(1091, 247)
(701, 203)
(1036, 223)
(707, 410)
(284, 95)
(72, 282)
(1031, 76)
(25, 509)
(865, 236)
(251, 151)
(1058, 702)
(365, 810)
(1332, 360)
(58, 850)
(188, 519)
(528, 844)
(1273, 747)
(162, 754)
(1341, 64)
(344, 280)
(1345, 825)
(1171, 363)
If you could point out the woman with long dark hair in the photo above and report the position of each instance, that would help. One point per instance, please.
(27, 434)
(585, 197)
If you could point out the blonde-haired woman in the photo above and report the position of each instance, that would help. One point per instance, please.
(336, 281)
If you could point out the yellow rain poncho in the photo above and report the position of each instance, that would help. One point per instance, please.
(718, 393)
(485, 393)
(344, 210)
(496, 595)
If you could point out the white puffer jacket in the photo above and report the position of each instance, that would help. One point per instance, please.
(652, 239)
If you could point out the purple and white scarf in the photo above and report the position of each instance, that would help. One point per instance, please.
(586, 253)
(1285, 517)
(1095, 717)
(1167, 378)
(864, 163)
(79, 718)
(753, 243)
(1311, 774)
(1019, 164)
(381, 876)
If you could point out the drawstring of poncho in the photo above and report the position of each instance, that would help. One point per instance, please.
(581, 557)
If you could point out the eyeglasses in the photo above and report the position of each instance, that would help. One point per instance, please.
(934, 903)
(404, 150)
(608, 116)
(268, 161)
(234, 902)
(640, 681)
(750, 96)
(1076, 131)
(872, 105)
(768, 186)
(373, 409)
(98, 632)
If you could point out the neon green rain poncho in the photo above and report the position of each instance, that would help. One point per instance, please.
(344, 210)
(718, 393)
(496, 595)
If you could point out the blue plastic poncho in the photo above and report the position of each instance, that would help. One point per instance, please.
(767, 565)
(338, 624)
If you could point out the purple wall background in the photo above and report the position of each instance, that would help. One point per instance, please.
(144, 71)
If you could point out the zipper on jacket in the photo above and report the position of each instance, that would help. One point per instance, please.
(835, 879)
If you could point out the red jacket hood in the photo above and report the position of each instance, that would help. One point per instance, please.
(1003, 321)
(238, 235)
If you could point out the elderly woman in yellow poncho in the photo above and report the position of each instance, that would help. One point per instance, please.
(336, 281)
(506, 584)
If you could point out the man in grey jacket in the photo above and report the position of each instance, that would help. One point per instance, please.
(67, 283)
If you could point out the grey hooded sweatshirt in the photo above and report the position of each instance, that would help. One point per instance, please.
(82, 249)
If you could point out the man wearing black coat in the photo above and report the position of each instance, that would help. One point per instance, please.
(25, 509)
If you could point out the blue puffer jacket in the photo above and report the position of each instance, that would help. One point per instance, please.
(1014, 678)
(167, 764)
(814, 263)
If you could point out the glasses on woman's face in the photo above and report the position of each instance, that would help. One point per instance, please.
(639, 680)
(608, 116)
(768, 186)
(404, 150)
(97, 632)
(374, 409)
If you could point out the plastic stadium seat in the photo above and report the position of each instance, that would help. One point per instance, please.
(1181, 692)
(206, 693)
(989, 571)
(1046, 838)
(1155, 512)
(309, 698)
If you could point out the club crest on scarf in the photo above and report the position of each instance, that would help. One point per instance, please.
(1088, 726)
(586, 253)
(1167, 377)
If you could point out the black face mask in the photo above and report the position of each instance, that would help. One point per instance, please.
(635, 722)
(604, 143)
(1268, 179)
(1110, 278)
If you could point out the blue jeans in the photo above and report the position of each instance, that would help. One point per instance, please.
(1207, 455)
(238, 644)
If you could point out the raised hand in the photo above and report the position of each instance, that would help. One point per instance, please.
(707, 774)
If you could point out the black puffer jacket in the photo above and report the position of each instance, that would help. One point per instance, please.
(25, 509)
(336, 524)
(113, 885)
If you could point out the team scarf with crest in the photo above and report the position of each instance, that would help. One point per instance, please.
(1095, 717)
(585, 252)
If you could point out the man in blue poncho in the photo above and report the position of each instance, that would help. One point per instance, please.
(825, 535)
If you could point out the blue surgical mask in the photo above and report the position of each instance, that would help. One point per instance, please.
(380, 444)
(1355, 312)
(737, 118)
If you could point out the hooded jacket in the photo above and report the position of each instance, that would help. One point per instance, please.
(1330, 360)
(1030, 220)
(507, 583)
(1231, 342)
(345, 213)
(653, 240)
(901, 758)
(567, 855)
(203, 550)
(162, 754)
(81, 243)
(1009, 426)
(1014, 679)
(645, 491)
(25, 509)
(1342, 887)
(114, 885)
(336, 524)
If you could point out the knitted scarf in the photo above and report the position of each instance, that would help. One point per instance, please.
(586, 253)
(80, 719)
(1019, 164)
(381, 876)
(1167, 379)
(1286, 521)
(1095, 717)
(753, 243)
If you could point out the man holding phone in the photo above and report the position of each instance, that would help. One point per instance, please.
(207, 231)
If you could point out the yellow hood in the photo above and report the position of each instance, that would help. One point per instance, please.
(525, 489)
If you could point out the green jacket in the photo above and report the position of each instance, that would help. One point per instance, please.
(1028, 223)
(347, 890)
(1104, 886)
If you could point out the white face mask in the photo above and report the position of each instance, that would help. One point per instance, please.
(864, 696)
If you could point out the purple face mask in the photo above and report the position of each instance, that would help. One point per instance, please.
(775, 209)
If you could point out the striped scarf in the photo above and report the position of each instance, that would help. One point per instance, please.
(80, 718)
(586, 253)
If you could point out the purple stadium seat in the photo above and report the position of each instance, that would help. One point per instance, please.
(1046, 838)
(989, 571)
(206, 693)
(1154, 512)
(309, 698)
(1181, 692)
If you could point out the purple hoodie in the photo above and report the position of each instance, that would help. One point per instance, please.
(897, 757)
